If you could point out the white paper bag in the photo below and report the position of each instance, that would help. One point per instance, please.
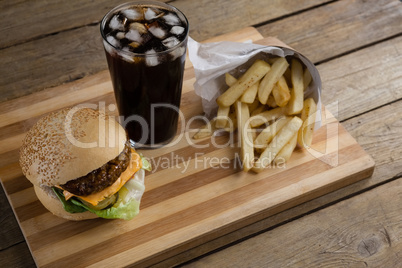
(212, 60)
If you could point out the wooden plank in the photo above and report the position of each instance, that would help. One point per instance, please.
(10, 233)
(17, 256)
(337, 28)
(360, 231)
(363, 85)
(79, 53)
(47, 18)
(210, 18)
(58, 16)
(378, 132)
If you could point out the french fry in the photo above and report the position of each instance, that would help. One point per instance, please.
(281, 92)
(230, 79)
(270, 92)
(272, 60)
(245, 135)
(232, 122)
(253, 106)
(287, 77)
(308, 114)
(250, 77)
(306, 78)
(261, 108)
(222, 117)
(267, 83)
(271, 102)
(264, 117)
(286, 152)
(278, 142)
(295, 104)
(249, 95)
(266, 136)
(254, 134)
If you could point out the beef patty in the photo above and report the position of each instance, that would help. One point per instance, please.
(100, 178)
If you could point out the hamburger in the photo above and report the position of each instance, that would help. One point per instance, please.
(82, 166)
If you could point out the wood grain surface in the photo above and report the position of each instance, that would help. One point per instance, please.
(191, 199)
(72, 29)
(57, 47)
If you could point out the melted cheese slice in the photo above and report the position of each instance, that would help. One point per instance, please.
(94, 199)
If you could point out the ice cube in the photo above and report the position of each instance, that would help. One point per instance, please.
(146, 37)
(113, 41)
(134, 35)
(171, 19)
(151, 58)
(177, 30)
(126, 54)
(152, 13)
(133, 14)
(157, 32)
(139, 27)
(116, 24)
(156, 45)
(120, 35)
(178, 52)
(111, 50)
(170, 42)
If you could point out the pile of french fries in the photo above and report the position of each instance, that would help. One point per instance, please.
(266, 105)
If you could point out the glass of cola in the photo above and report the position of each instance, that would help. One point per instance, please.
(145, 44)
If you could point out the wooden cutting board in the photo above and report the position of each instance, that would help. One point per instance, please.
(194, 194)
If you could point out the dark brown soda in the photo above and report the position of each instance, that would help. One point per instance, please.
(137, 86)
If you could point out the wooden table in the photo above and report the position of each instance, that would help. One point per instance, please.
(357, 48)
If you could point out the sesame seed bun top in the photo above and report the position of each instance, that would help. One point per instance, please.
(68, 144)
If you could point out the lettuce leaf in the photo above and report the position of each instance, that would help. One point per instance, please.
(68, 205)
(126, 207)
(125, 211)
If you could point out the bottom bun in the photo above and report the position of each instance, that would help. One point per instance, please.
(53, 204)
